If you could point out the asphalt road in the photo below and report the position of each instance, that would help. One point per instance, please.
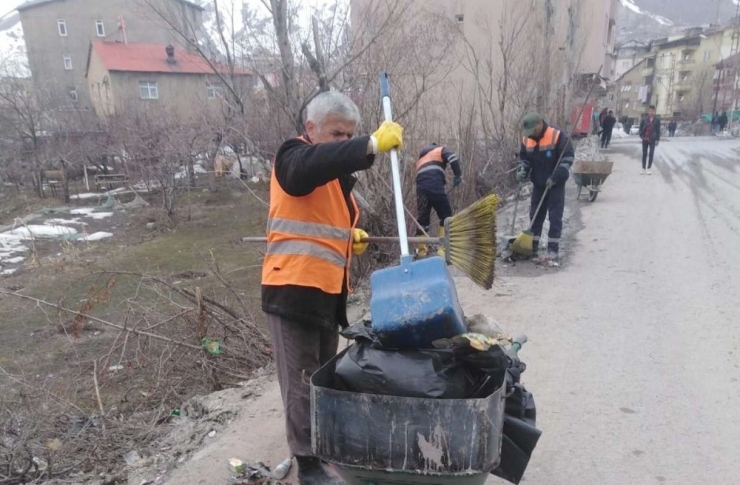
(634, 352)
(634, 343)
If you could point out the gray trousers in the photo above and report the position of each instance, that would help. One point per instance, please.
(299, 350)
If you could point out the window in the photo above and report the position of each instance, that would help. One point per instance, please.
(73, 94)
(62, 25)
(625, 64)
(148, 90)
(100, 28)
(459, 18)
(627, 105)
(67, 62)
(707, 56)
(214, 91)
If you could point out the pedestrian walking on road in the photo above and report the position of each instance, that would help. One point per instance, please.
(608, 126)
(311, 236)
(723, 121)
(715, 123)
(430, 187)
(672, 126)
(542, 147)
(650, 135)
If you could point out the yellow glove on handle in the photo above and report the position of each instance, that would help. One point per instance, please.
(357, 246)
(388, 136)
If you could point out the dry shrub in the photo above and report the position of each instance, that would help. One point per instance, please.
(117, 391)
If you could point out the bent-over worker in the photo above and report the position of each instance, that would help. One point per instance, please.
(542, 146)
(311, 236)
(430, 187)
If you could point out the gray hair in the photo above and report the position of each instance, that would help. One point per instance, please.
(331, 102)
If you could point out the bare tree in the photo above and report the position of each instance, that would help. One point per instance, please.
(702, 89)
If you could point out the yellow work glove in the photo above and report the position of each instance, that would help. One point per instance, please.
(388, 136)
(357, 246)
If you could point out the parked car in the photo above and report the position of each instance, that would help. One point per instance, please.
(635, 130)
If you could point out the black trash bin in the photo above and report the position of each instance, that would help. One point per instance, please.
(389, 440)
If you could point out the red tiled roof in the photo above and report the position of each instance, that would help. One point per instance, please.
(117, 56)
(35, 3)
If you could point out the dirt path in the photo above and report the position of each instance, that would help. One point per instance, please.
(634, 351)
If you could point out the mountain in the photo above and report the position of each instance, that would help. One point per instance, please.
(651, 19)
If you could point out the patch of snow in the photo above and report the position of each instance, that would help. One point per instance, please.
(97, 236)
(629, 4)
(92, 195)
(55, 222)
(16, 260)
(90, 212)
(183, 171)
(8, 272)
(619, 134)
(29, 232)
(83, 211)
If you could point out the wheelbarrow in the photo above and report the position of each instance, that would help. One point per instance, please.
(591, 175)
(374, 439)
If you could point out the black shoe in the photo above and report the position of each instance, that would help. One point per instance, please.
(312, 472)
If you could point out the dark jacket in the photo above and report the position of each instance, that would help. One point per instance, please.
(542, 163)
(434, 180)
(608, 123)
(723, 120)
(655, 134)
(299, 169)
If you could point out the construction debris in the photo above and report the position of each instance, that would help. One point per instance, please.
(588, 149)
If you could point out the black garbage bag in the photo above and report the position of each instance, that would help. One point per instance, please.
(432, 373)
(520, 435)
(418, 373)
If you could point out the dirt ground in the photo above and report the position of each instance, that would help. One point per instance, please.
(633, 353)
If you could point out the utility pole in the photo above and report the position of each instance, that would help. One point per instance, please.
(735, 47)
(670, 85)
(716, 89)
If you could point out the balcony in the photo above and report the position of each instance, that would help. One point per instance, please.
(686, 62)
(648, 71)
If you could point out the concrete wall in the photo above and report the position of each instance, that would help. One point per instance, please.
(572, 44)
(46, 48)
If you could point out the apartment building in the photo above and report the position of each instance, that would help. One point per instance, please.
(58, 34)
(627, 55)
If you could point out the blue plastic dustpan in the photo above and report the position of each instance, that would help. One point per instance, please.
(415, 303)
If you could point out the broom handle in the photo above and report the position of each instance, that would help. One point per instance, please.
(385, 93)
(369, 240)
(560, 158)
(516, 206)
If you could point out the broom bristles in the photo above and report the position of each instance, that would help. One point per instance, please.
(473, 240)
(523, 243)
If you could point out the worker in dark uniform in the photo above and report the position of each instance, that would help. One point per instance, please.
(542, 147)
(430, 187)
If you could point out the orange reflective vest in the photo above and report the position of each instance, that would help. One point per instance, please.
(309, 238)
(431, 157)
(548, 141)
